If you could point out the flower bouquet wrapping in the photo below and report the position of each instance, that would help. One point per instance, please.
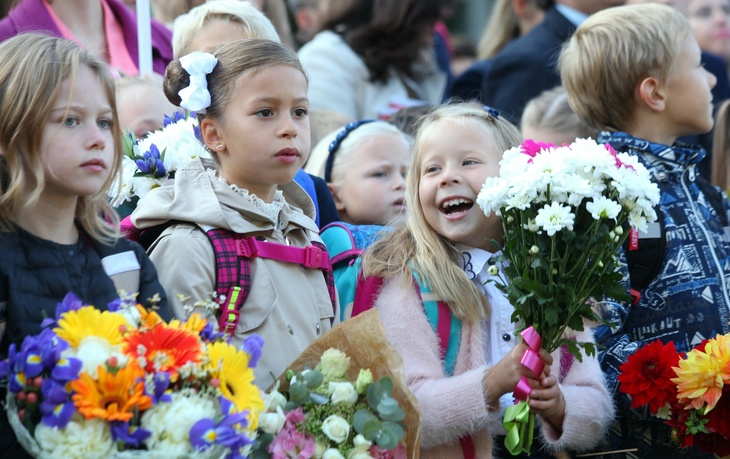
(690, 392)
(565, 213)
(344, 397)
(148, 163)
(123, 383)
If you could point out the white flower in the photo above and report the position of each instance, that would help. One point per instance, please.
(275, 400)
(319, 449)
(554, 217)
(83, 439)
(343, 392)
(334, 364)
(363, 381)
(359, 455)
(170, 423)
(603, 208)
(336, 428)
(272, 422)
(94, 351)
(332, 453)
(361, 448)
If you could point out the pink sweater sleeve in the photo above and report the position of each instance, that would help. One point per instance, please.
(450, 406)
(589, 408)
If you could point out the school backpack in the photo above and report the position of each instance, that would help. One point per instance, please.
(233, 253)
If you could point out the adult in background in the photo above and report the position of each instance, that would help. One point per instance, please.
(106, 27)
(373, 56)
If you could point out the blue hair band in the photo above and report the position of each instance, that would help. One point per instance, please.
(494, 113)
(335, 145)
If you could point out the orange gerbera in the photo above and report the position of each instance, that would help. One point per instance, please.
(150, 318)
(163, 348)
(114, 396)
(195, 323)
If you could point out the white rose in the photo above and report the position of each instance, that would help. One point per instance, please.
(80, 439)
(336, 428)
(343, 392)
(275, 400)
(272, 422)
(361, 443)
(332, 453)
(319, 449)
(334, 364)
(359, 455)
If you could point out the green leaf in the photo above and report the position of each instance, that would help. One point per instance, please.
(360, 419)
(298, 393)
(394, 428)
(387, 439)
(313, 379)
(372, 429)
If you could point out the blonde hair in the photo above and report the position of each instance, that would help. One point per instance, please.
(320, 153)
(550, 111)
(721, 147)
(252, 21)
(33, 67)
(612, 52)
(502, 27)
(322, 121)
(416, 244)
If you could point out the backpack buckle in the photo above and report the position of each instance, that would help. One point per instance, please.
(246, 247)
(315, 258)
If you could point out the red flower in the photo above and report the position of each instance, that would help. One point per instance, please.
(646, 376)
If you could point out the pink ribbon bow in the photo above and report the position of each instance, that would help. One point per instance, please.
(530, 359)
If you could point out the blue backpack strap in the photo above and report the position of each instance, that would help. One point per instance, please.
(443, 321)
(306, 182)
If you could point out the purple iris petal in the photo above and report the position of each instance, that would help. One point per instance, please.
(198, 134)
(53, 392)
(4, 369)
(209, 334)
(142, 166)
(16, 382)
(203, 434)
(130, 435)
(70, 302)
(233, 419)
(162, 383)
(67, 369)
(57, 415)
(252, 346)
(32, 361)
(166, 121)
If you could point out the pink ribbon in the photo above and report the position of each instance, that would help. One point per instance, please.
(531, 360)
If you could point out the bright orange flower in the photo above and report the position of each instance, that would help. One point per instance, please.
(114, 396)
(162, 348)
(701, 376)
(195, 323)
(150, 318)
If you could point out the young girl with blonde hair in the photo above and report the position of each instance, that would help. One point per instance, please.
(60, 148)
(448, 241)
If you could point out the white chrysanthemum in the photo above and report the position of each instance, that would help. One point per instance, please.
(603, 208)
(177, 141)
(492, 195)
(82, 439)
(94, 351)
(554, 217)
(170, 423)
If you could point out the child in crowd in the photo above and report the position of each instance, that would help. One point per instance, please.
(549, 118)
(323, 121)
(60, 147)
(721, 148)
(142, 104)
(218, 22)
(653, 90)
(364, 165)
(253, 118)
(447, 241)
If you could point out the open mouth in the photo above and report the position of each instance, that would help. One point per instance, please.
(399, 203)
(456, 205)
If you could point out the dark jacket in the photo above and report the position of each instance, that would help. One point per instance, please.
(36, 274)
(32, 16)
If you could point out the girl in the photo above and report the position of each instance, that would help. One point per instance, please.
(456, 149)
(60, 147)
(364, 165)
(254, 121)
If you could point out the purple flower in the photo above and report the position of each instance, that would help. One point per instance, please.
(206, 433)
(56, 407)
(161, 384)
(66, 369)
(31, 354)
(210, 335)
(128, 434)
(142, 166)
(70, 302)
(252, 346)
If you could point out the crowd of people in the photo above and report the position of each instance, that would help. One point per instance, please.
(352, 113)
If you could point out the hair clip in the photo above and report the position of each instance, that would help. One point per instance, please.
(196, 97)
(492, 112)
(335, 145)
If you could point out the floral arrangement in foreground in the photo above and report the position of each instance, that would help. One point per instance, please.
(344, 397)
(690, 392)
(148, 163)
(97, 384)
(565, 213)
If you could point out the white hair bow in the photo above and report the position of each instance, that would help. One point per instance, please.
(196, 97)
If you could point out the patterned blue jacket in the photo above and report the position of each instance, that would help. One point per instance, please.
(689, 300)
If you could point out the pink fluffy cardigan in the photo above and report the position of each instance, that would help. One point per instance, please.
(455, 406)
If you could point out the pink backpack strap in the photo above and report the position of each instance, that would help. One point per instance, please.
(366, 290)
(566, 361)
(233, 253)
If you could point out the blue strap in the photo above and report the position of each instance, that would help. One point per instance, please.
(306, 182)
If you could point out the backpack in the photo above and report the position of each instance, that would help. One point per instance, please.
(233, 253)
(644, 251)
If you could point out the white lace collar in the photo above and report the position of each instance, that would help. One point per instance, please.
(271, 210)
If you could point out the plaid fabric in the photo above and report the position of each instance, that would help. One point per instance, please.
(233, 276)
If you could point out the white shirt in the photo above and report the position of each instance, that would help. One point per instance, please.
(499, 337)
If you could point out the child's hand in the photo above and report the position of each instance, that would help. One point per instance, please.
(547, 400)
(503, 377)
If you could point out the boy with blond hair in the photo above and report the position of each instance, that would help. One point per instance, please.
(635, 73)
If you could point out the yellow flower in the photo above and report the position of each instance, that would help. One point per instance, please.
(230, 366)
(76, 325)
(195, 323)
(114, 396)
(701, 376)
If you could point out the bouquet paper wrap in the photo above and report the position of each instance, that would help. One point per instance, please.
(363, 339)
